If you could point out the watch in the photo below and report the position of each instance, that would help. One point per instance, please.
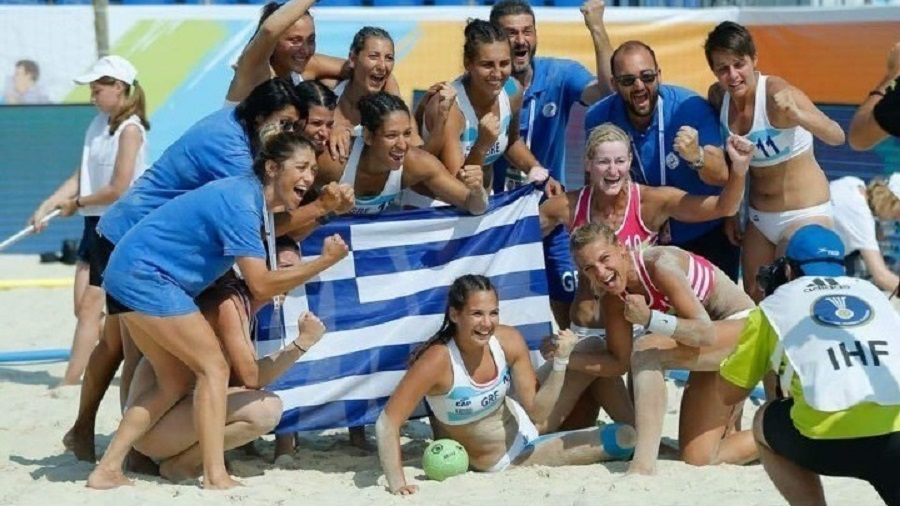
(697, 165)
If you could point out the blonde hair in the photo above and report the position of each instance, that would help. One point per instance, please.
(882, 201)
(606, 132)
(135, 104)
(591, 233)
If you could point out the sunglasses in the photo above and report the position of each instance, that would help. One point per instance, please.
(647, 77)
(290, 126)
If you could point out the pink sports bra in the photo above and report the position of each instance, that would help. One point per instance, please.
(633, 233)
(701, 275)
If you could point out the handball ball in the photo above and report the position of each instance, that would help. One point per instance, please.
(445, 458)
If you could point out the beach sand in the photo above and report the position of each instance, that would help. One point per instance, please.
(35, 469)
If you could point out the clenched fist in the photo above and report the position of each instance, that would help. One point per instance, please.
(636, 309)
(334, 248)
(472, 176)
(337, 198)
(687, 144)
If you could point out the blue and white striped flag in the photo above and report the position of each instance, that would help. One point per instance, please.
(390, 293)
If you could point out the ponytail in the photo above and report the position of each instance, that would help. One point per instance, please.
(135, 105)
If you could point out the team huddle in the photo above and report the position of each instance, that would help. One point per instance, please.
(642, 262)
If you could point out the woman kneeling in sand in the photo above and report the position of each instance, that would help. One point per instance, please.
(464, 373)
(693, 314)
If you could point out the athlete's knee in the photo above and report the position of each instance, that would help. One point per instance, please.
(266, 413)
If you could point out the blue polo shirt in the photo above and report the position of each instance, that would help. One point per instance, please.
(680, 106)
(214, 148)
(555, 87)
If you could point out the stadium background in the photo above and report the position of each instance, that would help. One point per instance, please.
(183, 54)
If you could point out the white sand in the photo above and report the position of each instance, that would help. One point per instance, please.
(35, 469)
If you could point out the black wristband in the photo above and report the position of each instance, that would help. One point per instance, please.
(298, 347)
(325, 218)
(874, 93)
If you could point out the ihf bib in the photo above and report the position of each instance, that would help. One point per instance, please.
(839, 336)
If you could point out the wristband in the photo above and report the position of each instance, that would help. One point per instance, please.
(560, 364)
(874, 93)
(325, 218)
(662, 323)
(298, 347)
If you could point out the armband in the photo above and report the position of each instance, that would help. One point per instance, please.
(662, 323)
(876, 93)
(325, 218)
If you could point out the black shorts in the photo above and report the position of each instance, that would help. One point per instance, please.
(88, 239)
(100, 252)
(873, 459)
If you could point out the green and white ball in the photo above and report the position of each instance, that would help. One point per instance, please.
(445, 458)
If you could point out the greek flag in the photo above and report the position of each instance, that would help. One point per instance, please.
(390, 293)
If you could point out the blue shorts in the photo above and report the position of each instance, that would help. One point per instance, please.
(562, 275)
(146, 291)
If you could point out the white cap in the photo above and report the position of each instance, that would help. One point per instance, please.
(110, 66)
(893, 184)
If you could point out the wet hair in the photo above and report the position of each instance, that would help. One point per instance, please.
(312, 94)
(30, 67)
(374, 108)
(505, 8)
(478, 32)
(366, 33)
(135, 104)
(607, 132)
(731, 37)
(882, 201)
(460, 290)
(266, 99)
(277, 145)
(591, 233)
(631, 45)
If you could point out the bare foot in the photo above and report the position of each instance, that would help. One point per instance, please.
(137, 462)
(640, 470)
(81, 443)
(358, 438)
(176, 471)
(223, 482)
(105, 479)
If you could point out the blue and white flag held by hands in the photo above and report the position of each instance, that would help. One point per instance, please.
(390, 293)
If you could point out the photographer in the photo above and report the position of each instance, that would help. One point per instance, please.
(834, 344)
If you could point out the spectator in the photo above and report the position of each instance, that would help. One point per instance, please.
(23, 87)
(879, 115)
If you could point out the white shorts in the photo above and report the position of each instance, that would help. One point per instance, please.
(772, 225)
(527, 433)
(586, 332)
(740, 315)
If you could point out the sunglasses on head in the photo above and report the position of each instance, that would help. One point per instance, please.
(647, 77)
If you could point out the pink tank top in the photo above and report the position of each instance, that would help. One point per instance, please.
(701, 275)
(633, 233)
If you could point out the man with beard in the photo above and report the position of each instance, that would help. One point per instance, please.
(676, 141)
(552, 86)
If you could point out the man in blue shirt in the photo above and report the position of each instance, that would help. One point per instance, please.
(552, 86)
(676, 141)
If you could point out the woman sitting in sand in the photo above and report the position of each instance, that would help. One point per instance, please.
(694, 315)
(473, 358)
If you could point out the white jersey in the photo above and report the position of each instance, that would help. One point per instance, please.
(372, 204)
(98, 158)
(839, 336)
(468, 401)
(773, 145)
(853, 219)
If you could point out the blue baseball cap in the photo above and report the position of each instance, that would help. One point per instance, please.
(818, 250)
